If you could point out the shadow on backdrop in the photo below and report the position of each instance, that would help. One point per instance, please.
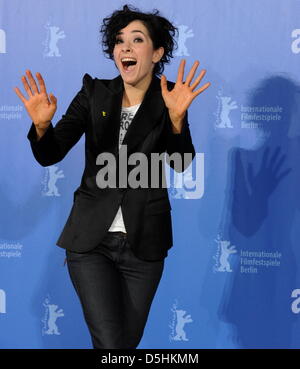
(262, 202)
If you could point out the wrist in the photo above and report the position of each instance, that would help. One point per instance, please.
(177, 122)
(41, 130)
(42, 126)
(176, 129)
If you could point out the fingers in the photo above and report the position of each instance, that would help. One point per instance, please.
(265, 157)
(53, 99)
(277, 166)
(204, 87)
(21, 96)
(198, 79)
(163, 83)
(190, 77)
(41, 83)
(31, 88)
(180, 71)
(191, 74)
(26, 86)
(250, 173)
(33, 85)
(284, 174)
(274, 156)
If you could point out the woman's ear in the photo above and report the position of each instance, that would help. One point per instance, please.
(158, 54)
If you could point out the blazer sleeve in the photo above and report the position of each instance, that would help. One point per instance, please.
(57, 141)
(180, 143)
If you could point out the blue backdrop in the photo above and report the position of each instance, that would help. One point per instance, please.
(232, 278)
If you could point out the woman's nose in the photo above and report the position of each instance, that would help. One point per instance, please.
(126, 46)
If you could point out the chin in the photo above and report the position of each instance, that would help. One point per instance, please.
(130, 80)
(133, 81)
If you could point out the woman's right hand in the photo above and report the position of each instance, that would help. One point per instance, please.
(39, 106)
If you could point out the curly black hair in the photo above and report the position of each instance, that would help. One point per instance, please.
(161, 32)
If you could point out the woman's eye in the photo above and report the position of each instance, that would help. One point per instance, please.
(138, 39)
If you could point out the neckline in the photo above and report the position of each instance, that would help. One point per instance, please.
(130, 107)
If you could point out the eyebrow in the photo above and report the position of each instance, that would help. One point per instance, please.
(135, 30)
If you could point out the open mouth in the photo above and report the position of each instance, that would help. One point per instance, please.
(128, 64)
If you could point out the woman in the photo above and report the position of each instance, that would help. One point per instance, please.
(116, 238)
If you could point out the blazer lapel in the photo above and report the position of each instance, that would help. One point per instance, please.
(107, 113)
(148, 115)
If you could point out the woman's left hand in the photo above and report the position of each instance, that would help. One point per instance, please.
(181, 96)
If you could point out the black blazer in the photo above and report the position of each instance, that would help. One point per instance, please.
(95, 111)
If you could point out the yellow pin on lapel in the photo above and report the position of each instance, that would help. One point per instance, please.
(103, 113)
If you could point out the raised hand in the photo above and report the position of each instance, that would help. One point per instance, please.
(269, 175)
(181, 96)
(39, 106)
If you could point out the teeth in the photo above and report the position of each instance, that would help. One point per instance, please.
(127, 59)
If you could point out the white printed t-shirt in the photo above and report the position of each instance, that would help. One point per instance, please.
(127, 114)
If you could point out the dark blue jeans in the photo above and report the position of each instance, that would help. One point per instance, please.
(115, 289)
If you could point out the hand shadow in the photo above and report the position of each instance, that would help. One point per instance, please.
(253, 190)
(262, 203)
